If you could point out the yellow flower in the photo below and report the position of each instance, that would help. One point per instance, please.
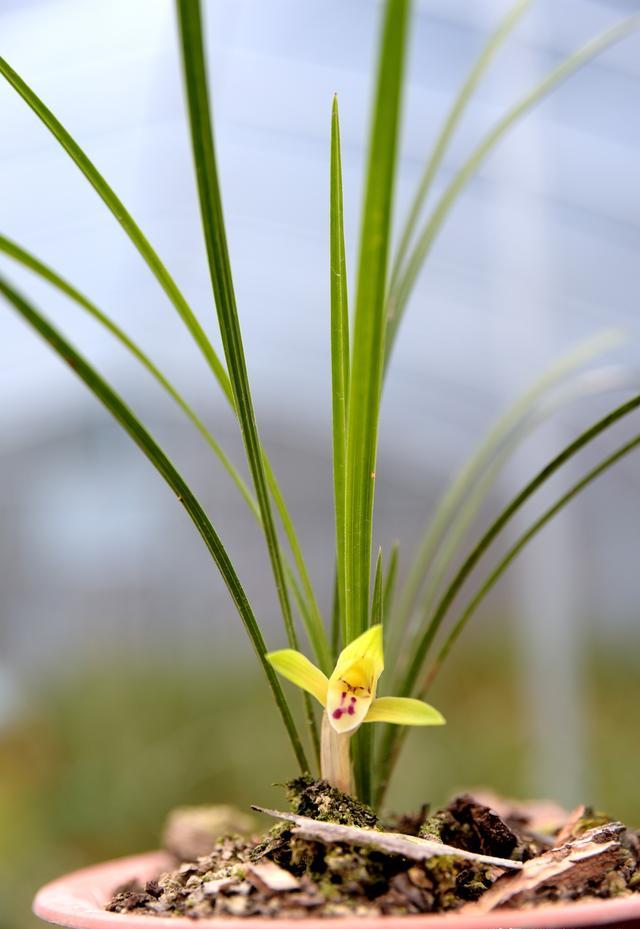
(349, 695)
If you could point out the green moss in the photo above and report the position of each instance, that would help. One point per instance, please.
(318, 800)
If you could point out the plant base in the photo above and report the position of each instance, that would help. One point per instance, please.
(578, 870)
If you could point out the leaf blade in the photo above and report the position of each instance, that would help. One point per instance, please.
(399, 297)
(153, 261)
(368, 332)
(120, 212)
(339, 360)
(213, 225)
(451, 121)
(152, 451)
(388, 745)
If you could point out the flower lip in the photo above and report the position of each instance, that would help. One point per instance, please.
(352, 685)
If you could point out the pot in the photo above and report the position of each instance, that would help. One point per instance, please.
(77, 901)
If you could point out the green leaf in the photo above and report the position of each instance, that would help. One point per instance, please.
(195, 79)
(339, 360)
(515, 550)
(151, 258)
(503, 437)
(368, 343)
(391, 749)
(125, 219)
(454, 115)
(498, 525)
(377, 599)
(389, 586)
(145, 442)
(399, 296)
(30, 261)
(368, 331)
(311, 614)
(410, 679)
(335, 618)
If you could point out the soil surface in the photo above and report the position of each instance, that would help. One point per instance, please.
(302, 868)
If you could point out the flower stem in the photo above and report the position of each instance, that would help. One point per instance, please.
(335, 761)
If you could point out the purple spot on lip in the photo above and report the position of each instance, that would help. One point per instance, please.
(353, 699)
(337, 713)
(344, 694)
(351, 710)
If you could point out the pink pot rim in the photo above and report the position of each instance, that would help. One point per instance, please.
(77, 900)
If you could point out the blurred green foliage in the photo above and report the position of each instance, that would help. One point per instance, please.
(90, 771)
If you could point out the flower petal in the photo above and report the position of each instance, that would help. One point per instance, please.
(367, 647)
(404, 711)
(352, 686)
(300, 671)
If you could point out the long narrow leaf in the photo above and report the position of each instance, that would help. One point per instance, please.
(28, 260)
(194, 68)
(368, 334)
(311, 622)
(125, 219)
(195, 79)
(315, 625)
(389, 587)
(392, 749)
(339, 360)
(410, 680)
(399, 296)
(145, 442)
(597, 381)
(515, 550)
(453, 117)
(151, 258)
(470, 474)
(498, 525)
(368, 341)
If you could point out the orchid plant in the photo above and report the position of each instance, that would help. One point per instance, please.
(348, 646)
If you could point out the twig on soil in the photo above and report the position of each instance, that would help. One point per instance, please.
(394, 843)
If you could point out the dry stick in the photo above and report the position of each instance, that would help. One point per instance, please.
(394, 843)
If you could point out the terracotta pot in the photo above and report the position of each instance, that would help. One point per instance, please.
(77, 901)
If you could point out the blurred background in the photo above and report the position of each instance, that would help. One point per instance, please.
(127, 685)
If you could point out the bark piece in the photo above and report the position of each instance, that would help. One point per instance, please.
(560, 873)
(472, 826)
(393, 843)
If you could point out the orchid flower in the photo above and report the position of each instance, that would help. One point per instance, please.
(349, 699)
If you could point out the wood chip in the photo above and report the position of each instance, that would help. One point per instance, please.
(395, 843)
(569, 867)
(270, 877)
